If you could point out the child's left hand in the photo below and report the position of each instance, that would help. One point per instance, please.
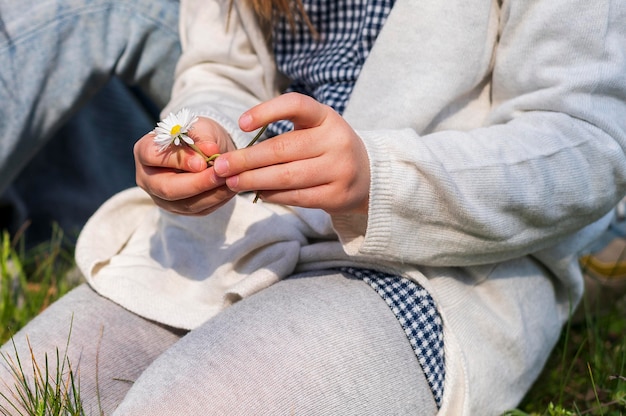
(321, 164)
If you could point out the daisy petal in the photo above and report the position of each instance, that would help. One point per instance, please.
(173, 128)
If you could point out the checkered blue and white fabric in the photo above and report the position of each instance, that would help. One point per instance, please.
(327, 67)
(416, 311)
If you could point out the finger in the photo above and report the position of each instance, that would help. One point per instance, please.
(285, 148)
(313, 197)
(327, 196)
(169, 185)
(208, 135)
(294, 175)
(303, 111)
(198, 205)
(305, 198)
(180, 157)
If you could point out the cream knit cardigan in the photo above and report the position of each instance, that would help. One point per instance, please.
(496, 134)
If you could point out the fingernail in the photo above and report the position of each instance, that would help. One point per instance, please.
(221, 166)
(245, 120)
(196, 164)
(232, 182)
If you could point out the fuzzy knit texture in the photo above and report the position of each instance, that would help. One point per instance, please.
(496, 135)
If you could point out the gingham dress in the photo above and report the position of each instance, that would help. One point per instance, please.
(326, 69)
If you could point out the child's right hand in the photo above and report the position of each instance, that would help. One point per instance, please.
(178, 179)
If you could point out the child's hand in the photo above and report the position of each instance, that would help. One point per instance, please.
(321, 164)
(177, 179)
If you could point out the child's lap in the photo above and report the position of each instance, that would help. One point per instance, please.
(315, 344)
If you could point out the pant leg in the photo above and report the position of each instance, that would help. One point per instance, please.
(56, 54)
(312, 345)
(104, 338)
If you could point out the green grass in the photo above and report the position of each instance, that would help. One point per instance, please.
(53, 391)
(585, 375)
(30, 280)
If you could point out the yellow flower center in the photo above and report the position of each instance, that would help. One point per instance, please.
(175, 130)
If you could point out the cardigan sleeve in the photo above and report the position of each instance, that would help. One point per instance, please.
(225, 67)
(548, 161)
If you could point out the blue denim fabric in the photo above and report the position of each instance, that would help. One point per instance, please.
(98, 142)
(616, 229)
(56, 56)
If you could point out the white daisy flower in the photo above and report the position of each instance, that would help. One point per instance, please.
(174, 129)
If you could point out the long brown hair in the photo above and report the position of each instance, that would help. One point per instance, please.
(268, 10)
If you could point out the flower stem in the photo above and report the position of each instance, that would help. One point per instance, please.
(257, 137)
(208, 159)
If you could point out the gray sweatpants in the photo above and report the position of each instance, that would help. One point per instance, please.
(316, 344)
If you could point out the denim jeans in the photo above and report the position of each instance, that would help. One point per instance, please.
(80, 82)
